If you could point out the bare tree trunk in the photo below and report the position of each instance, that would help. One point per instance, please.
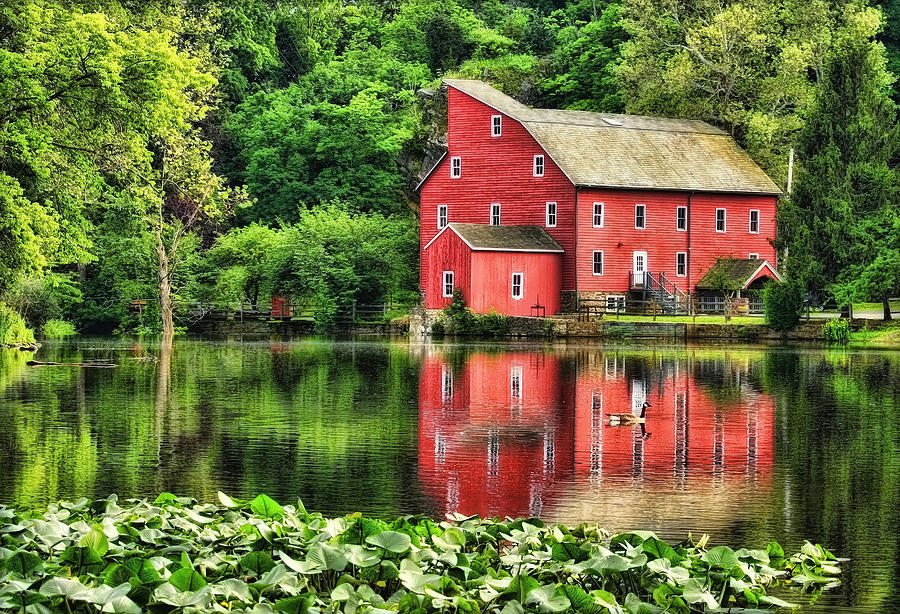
(887, 308)
(165, 289)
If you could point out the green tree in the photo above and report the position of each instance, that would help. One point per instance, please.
(842, 214)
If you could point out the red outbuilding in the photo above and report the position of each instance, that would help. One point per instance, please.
(636, 204)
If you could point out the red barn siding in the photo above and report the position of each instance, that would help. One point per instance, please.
(447, 253)
(491, 282)
(496, 170)
(619, 239)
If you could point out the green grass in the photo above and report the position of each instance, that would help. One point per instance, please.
(736, 320)
(886, 335)
(895, 306)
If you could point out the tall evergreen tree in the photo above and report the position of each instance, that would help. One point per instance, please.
(838, 219)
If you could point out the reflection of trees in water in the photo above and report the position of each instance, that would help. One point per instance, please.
(841, 444)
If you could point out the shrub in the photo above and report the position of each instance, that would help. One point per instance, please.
(13, 328)
(57, 329)
(837, 331)
(459, 319)
(783, 303)
(492, 324)
(437, 328)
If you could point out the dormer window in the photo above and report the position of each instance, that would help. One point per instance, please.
(455, 167)
(496, 125)
(539, 166)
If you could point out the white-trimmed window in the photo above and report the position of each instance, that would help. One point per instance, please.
(615, 303)
(551, 215)
(496, 125)
(753, 256)
(495, 214)
(441, 216)
(754, 221)
(448, 284)
(446, 384)
(515, 382)
(598, 215)
(517, 279)
(598, 262)
(455, 167)
(538, 167)
(640, 216)
(720, 220)
(681, 219)
(681, 264)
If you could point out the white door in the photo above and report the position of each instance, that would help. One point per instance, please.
(640, 267)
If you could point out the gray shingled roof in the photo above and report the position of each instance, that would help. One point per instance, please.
(632, 151)
(484, 237)
(737, 270)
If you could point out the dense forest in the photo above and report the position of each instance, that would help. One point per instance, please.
(217, 151)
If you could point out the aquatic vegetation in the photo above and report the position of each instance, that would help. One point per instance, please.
(176, 555)
(837, 331)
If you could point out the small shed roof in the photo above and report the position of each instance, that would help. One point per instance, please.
(740, 272)
(632, 151)
(485, 237)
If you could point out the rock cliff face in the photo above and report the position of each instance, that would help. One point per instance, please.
(421, 154)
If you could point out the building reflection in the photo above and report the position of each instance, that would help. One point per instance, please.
(511, 433)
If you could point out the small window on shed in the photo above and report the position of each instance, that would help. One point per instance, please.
(720, 220)
(640, 216)
(681, 218)
(753, 256)
(495, 214)
(455, 167)
(517, 286)
(598, 263)
(615, 303)
(441, 216)
(496, 125)
(448, 284)
(539, 166)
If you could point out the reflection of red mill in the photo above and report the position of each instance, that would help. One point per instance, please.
(518, 434)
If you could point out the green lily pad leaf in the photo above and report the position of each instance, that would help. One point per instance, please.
(547, 599)
(71, 589)
(144, 570)
(391, 541)
(521, 586)
(265, 506)
(295, 605)
(774, 550)
(362, 557)
(658, 549)
(187, 580)
(121, 605)
(79, 557)
(769, 599)
(512, 607)
(96, 539)
(416, 582)
(568, 551)
(165, 498)
(119, 574)
(581, 601)
(227, 501)
(24, 563)
(695, 591)
(233, 590)
(257, 563)
(721, 557)
(327, 557)
(167, 593)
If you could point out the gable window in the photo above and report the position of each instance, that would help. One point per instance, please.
(681, 218)
(754, 221)
(455, 167)
(720, 220)
(598, 263)
(539, 166)
(681, 264)
(754, 256)
(495, 214)
(448, 284)
(496, 125)
(640, 216)
(441, 216)
(551, 215)
(517, 286)
(598, 215)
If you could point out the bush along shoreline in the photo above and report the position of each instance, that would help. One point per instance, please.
(174, 554)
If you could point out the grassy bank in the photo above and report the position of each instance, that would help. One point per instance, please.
(175, 555)
(13, 329)
(879, 335)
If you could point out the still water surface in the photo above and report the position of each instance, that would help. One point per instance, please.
(748, 444)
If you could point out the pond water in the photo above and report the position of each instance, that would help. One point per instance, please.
(748, 444)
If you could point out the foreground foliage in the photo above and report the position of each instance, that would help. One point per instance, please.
(175, 554)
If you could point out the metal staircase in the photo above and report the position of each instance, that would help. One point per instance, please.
(657, 287)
